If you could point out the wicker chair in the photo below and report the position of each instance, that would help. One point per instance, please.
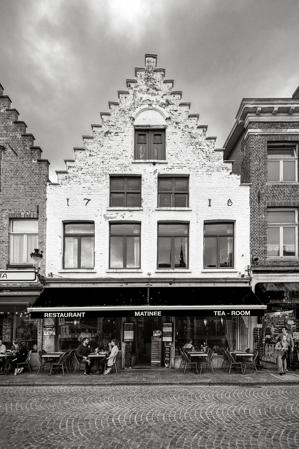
(234, 363)
(60, 364)
(187, 362)
(251, 363)
(26, 363)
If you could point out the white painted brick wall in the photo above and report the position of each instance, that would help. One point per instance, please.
(111, 151)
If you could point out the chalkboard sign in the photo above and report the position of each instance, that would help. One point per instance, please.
(156, 350)
(167, 332)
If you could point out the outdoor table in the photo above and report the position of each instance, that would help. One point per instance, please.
(51, 358)
(243, 357)
(198, 356)
(6, 356)
(97, 357)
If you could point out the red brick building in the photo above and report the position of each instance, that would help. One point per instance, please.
(263, 144)
(23, 181)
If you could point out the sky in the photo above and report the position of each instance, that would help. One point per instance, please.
(61, 61)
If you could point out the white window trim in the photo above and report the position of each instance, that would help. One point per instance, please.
(281, 226)
(271, 157)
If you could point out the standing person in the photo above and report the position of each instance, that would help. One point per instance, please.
(290, 342)
(112, 356)
(281, 348)
(2, 359)
(82, 352)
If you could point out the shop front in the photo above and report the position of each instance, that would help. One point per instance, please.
(151, 325)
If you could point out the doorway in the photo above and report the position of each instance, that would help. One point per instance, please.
(145, 328)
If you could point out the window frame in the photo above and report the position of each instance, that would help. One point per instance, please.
(281, 159)
(79, 236)
(124, 236)
(173, 222)
(125, 191)
(150, 132)
(281, 226)
(11, 233)
(221, 222)
(173, 191)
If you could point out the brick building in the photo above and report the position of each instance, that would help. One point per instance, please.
(148, 232)
(263, 144)
(23, 180)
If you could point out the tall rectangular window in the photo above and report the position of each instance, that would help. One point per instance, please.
(150, 144)
(173, 242)
(282, 233)
(78, 245)
(218, 245)
(282, 162)
(125, 191)
(23, 238)
(124, 245)
(173, 191)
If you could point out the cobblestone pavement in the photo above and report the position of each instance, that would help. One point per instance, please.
(149, 417)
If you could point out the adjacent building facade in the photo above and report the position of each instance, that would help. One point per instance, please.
(23, 182)
(263, 146)
(148, 233)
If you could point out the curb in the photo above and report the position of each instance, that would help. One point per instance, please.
(110, 384)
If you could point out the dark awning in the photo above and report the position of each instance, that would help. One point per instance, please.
(170, 301)
(17, 300)
(268, 291)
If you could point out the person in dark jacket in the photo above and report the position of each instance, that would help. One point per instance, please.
(83, 352)
(20, 355)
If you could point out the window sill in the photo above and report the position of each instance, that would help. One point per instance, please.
(150, 161)
(217, 270)
(77, 270)
(173, 270)
(282, 258)
(124, 208)
(124, 270)
(187, 209)
(19, 266)
(279, 183)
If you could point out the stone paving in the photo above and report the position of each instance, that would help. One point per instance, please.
(149, 417)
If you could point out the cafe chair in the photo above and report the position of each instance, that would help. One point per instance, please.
(26, 363)
(60, 364)
(42, 362)
(187, 362)
(208, 362)
(234, 363)
(252, 363)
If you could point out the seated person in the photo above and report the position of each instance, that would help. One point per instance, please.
(20, 355)
(188, 346)
(82, 352)
(112, 356)
(2, 351)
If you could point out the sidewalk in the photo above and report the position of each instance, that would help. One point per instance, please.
(159, 376)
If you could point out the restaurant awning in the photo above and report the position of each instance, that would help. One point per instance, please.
(213, 301)
(268, 291)
(17, 300)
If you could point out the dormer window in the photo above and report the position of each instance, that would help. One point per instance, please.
(150, 144)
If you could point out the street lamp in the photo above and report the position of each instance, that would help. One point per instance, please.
(37, 256)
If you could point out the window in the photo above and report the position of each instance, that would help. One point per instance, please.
(282, 233)
(173, 242)
(150, 144)
(282, 162)
(124, 245)
(23, 239)
(78, 245)
(173, 191)
(218, 245)
(125, 191)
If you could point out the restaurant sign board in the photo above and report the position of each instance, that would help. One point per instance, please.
(17, 276)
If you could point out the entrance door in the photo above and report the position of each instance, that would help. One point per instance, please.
(144, 332)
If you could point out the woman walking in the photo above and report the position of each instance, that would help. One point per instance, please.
(281, 348)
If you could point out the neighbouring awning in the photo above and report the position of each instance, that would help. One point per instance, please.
(154, 301)
(17, 301)
(268, 291)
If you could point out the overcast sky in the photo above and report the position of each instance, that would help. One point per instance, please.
(61, 61)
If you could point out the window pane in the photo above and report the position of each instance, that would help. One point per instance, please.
(133, 183)
(180, 200)
(282, 152)
(281, 216)
(173, 229)
(141, 151)
(87, 252)
(79, 228)
(71, 252)
(165, 200)
(116, 252)
(17, 249)
(157, 138)
(289, 173)
(164, 252)
(180, 252)
(210, 255)
(219, 228)
(165, 184)
(133, 200)
(273, 170)
(117, 183)
(273, 241)
(289, 241)
(225, 248)
(32, 242)
(125, 229)
(24, 226)
(181, 184)
(117, 200)
(141, 138)
(133, 252)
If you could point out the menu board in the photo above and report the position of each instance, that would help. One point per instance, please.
(167, 332)
(128, 331)
(156, 350)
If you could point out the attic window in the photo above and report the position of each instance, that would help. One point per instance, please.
(149, 144)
